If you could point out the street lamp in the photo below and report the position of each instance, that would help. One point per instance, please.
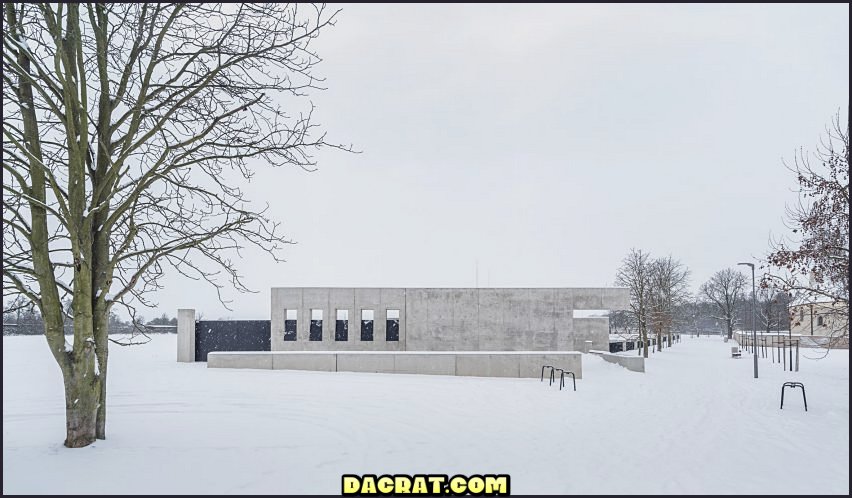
(753, 323)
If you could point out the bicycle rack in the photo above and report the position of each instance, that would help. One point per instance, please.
(562, 379)
(794, 384)
(562, 374)
(551, 373)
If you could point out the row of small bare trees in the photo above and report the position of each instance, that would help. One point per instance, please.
(814, 268)
(657, 287)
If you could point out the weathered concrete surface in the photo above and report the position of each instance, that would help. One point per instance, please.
(329, 300)
(632, 363)
(243, 359)
(365, 362)
(488, 365)
(305, 361)
(595, 329)
(467, 363)
(451, 319)
(433, 364)
(186, 335)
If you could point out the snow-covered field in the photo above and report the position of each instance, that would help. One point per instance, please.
(695, 422)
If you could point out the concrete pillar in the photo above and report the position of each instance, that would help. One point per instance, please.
(587, 346)
(186, 335)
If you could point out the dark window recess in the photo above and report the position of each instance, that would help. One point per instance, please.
(316, 330)
(392, 330)
(366, 330)
(341, 326)
(366, 325)
(820, 320)
(289, 330)
(341, 330)
(316, 326)
(392, 325)
(290, 320)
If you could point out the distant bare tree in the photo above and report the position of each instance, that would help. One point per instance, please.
(816, 266)
(725, 289)
(635, 274)
(772, 309)
(668, 290)
(127, 130)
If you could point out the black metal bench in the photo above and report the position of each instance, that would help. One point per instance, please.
(794, 384)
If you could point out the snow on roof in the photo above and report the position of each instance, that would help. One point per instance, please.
(809, 298)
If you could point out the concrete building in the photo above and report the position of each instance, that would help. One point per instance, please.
(440, 319)
(507, 332)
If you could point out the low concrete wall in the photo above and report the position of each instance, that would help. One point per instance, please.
(367, 362)
(632, 363)
(302, 361)
(240, 360)
(525, 364)
(434, 364)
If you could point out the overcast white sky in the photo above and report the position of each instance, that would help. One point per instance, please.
(544, 141)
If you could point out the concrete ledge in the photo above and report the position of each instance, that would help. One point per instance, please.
(316, 362)
(525, 364)
(632, 363)
(239, 360)
(444, 364)
(376, 363)
(495, 365)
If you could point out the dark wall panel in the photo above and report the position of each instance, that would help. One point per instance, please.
(231, 335)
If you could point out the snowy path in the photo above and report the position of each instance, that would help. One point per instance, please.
(695, 422)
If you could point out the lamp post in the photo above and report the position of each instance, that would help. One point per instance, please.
(753, 322)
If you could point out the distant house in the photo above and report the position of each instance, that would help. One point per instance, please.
(817, 317)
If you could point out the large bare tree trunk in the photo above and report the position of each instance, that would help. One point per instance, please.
(82, 397)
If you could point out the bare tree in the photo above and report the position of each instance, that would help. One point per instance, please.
(772, 309)
(634, 274)
(725, 289)
(669, 289)
(127, 131)
(816, 266)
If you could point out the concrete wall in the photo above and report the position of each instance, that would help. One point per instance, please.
(632, 363)
(525, 364)
(243, 359)
(186, 335)
(451, 319)
(330, 300)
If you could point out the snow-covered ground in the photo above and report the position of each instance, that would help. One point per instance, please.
(696, 422)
